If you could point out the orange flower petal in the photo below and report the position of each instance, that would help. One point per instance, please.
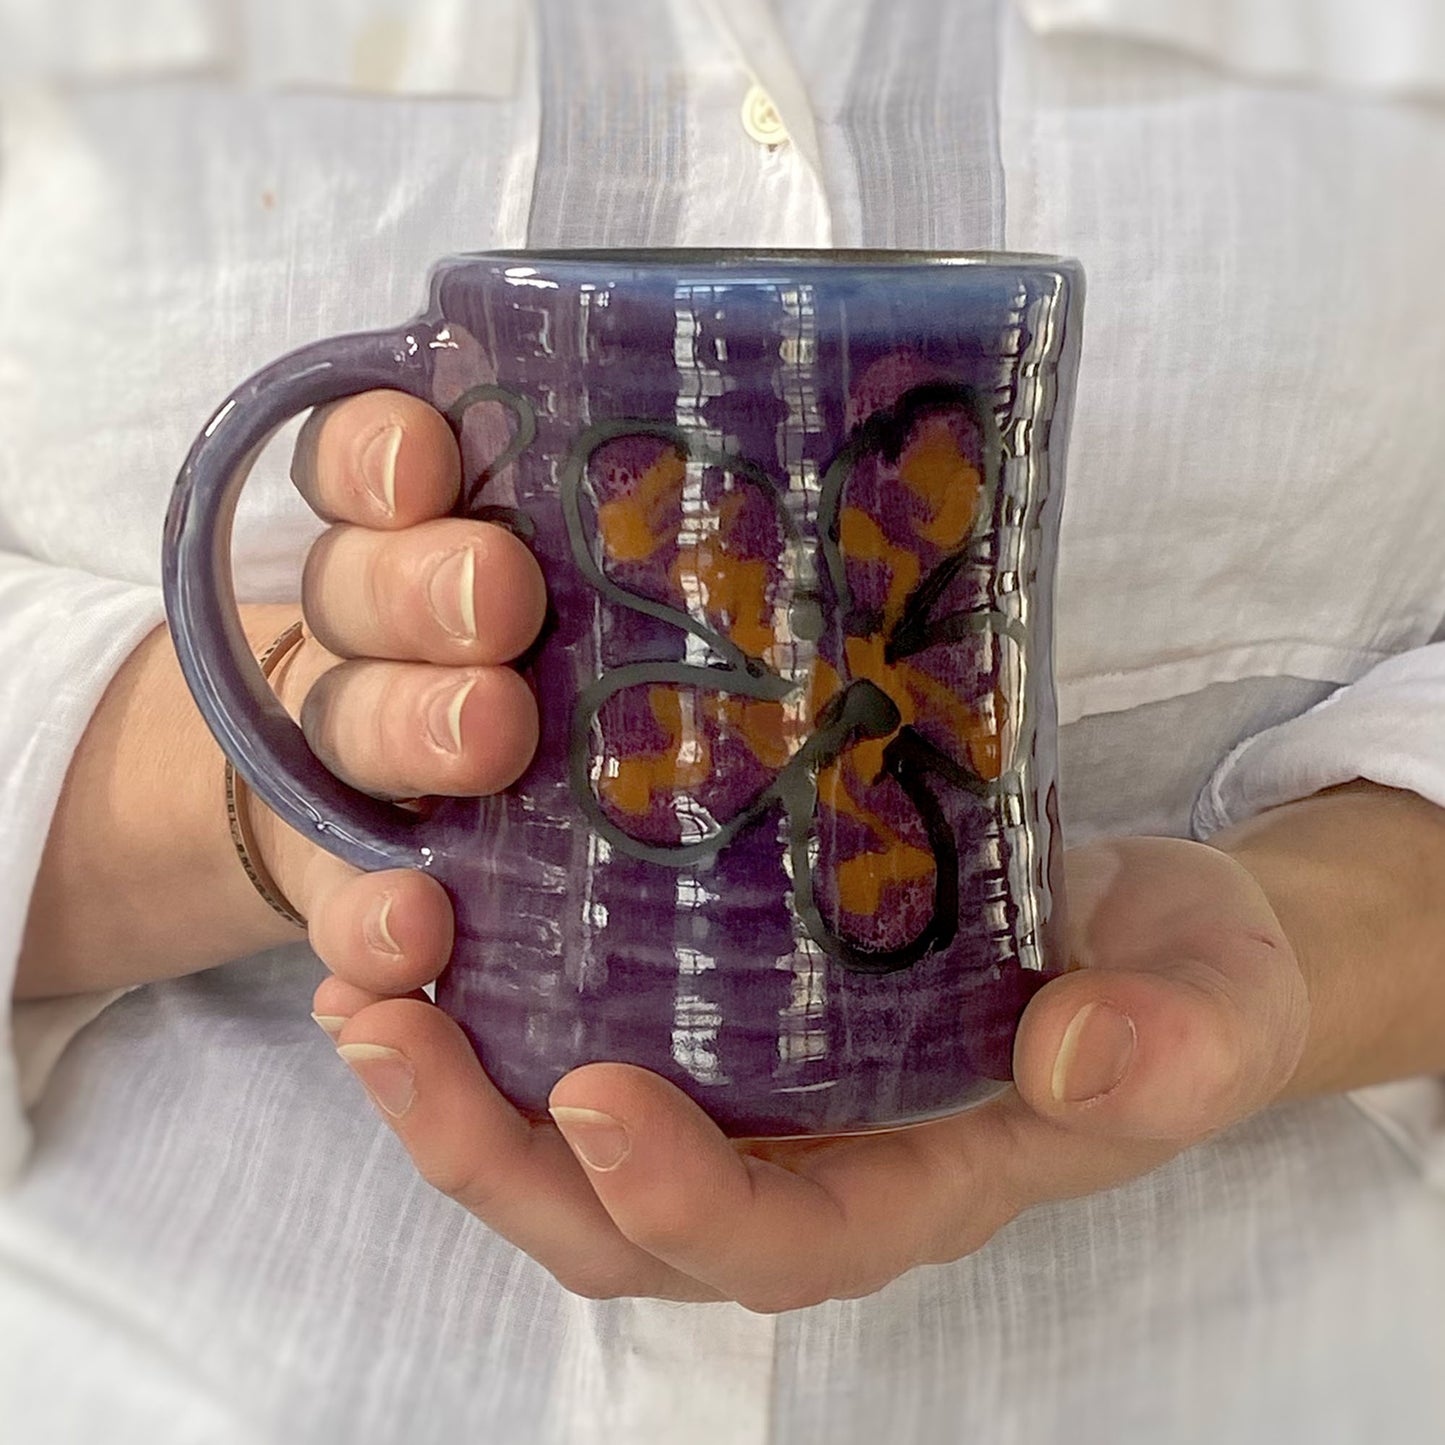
(863, 540)
(629, 525)
(864, 880)
(683, 762)
(933, 468)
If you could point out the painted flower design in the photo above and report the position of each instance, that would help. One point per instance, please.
(847, 687)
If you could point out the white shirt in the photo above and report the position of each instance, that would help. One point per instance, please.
(214, 1240)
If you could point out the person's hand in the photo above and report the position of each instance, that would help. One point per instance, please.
(401, 687)
(1187, 1013)
(401, 684)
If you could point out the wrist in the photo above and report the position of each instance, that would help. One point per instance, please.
(243, 923)
(239, 807)
(139, 879)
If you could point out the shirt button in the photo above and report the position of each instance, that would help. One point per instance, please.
(761, 119)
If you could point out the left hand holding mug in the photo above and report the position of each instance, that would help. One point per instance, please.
(401, 684)
(1189, 1014)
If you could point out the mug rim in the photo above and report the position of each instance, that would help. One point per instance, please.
(721, 256)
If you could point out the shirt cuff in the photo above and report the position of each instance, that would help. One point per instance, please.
(63, 636)
(40, 1028)
(1387, 728)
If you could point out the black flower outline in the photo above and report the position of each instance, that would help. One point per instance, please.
(860, 710)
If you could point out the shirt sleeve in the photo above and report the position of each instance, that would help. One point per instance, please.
(63, 635)
(1387, 728)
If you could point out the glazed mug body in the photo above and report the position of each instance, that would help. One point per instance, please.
(790, 837)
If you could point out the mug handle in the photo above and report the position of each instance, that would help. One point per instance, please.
(253, 729)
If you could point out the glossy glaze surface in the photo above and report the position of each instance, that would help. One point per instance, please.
(790, 838)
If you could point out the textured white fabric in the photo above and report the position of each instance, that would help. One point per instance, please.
(1389, 728)
(1235, 510)
(392, 47)
(1387, 45)
(759, 48)
(97, 40)
(63, 634)
(215, 1240)
(905, 102)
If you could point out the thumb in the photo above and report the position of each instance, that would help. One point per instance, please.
(1191, 1012)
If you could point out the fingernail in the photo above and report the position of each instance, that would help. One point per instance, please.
(452, 593)
(330, 1024)
(378, 466)
(598, 1140)
(444, 716)
(1094, 1055)
(377, 928)
(385, 1074)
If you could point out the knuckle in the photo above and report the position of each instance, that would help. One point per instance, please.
(956, 1238)
(781, 1300)
(417, 727)
(305, 455)
(317, 576)
(382, 583)
(462, 1180)
(595, 1281)
(973, 1206)
(664, 1232)
(395, 713)
(318, 712)
(343, 726)
(870, 1284)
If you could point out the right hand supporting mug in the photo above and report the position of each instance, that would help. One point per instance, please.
(791, 835)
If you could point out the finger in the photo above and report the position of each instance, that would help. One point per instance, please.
(382, 459)
(335, 1001)
(838, 1221)
(400, 730)
(1191, 1011)
(387, 933)
(782, 1226)
(451, 591)
(469, 1142)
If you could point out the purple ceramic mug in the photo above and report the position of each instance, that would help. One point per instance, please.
(790, 838)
